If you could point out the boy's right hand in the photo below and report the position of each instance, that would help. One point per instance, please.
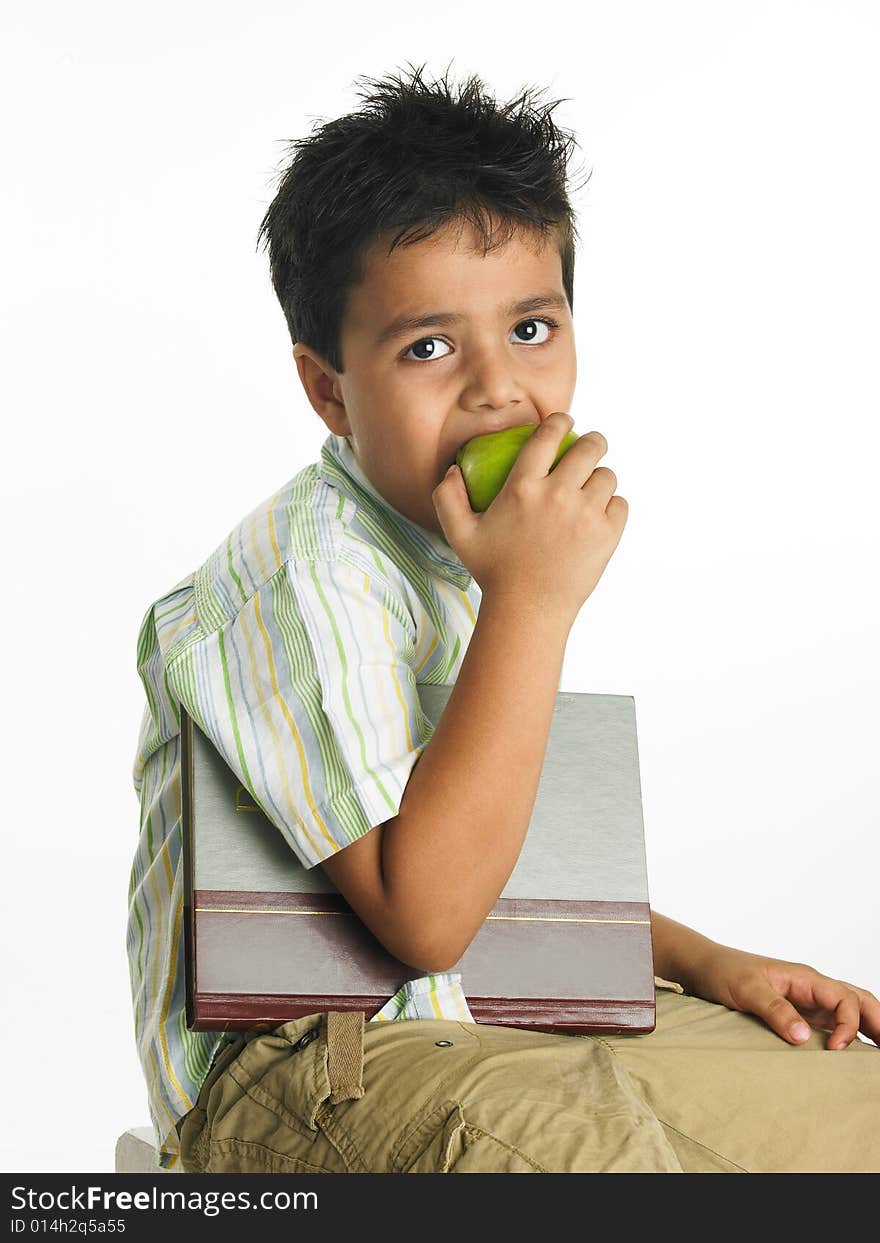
(546, 537)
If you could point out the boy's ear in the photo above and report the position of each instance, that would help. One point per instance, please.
(322, 389)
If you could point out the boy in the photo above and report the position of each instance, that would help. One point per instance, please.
(423, 254)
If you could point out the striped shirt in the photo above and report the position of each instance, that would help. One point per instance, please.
(296, 647)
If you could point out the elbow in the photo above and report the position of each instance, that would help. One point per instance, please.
(432, 955)
(439, 957)
(432, 964)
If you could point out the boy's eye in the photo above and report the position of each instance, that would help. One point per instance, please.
(425, 341)
(531, 337)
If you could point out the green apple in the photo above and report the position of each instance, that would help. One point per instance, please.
(486, 461)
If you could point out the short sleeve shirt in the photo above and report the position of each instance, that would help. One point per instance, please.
(297, 648)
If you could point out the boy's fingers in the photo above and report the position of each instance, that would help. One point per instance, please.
(452, 504)
(848, 1015)
(840, 1003)
(780, 1015)
(777, 1012)
(869, 1022)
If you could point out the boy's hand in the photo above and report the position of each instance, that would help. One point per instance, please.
(547, 536)
(783, 994)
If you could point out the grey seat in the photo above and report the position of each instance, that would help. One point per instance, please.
(136, 1153)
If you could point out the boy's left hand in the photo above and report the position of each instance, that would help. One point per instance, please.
(783, 994)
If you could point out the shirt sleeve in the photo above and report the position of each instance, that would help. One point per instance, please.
(309, 693)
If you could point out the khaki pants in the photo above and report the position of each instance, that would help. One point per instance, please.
(709, 1090)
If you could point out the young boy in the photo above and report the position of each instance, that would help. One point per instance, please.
(423, 253)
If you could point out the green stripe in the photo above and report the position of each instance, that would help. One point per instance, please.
(146, 637)
(231, 568)
(172, 699)
(304, 539)
(137, 916)
(196, 1048)
(230, 703)
(210, 613)
(450, 663)
(179, 606)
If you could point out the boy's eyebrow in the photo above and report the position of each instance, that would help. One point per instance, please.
(438, 319)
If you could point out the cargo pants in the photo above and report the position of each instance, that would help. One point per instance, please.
(709, 1090)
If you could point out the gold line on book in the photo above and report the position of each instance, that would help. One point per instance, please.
(541, 919)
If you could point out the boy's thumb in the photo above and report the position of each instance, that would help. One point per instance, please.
(452, 504)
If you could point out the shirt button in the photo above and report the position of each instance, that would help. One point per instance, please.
(443, 1044)
(306, 1039)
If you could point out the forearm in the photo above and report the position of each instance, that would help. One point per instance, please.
(678, 950)
(466, 808)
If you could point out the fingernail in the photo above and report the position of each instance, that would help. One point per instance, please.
(799, 1031)
(451, 469)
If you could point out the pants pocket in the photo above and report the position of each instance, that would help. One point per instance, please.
(454, 1147)
(257, 1108)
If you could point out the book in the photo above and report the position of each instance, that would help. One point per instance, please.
(566, 948)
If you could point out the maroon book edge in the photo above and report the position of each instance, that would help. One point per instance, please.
(241, 1011)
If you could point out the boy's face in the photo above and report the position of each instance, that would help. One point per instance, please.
(411, 399)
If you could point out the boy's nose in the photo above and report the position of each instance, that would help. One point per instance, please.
(492, 383)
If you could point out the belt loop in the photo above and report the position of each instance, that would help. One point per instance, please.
(345, 1054)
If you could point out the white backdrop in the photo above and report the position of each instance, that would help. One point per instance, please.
(727, 318)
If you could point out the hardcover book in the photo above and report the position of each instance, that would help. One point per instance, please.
(566, 948)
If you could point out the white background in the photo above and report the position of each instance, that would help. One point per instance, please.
(727, 318)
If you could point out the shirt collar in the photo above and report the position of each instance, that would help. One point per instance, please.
(338, 458)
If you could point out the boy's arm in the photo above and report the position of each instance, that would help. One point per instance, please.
(678, 950)
(424, 881)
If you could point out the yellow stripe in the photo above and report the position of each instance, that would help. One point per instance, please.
(273, 733)
(254, 543)
(396, 681)
(163, 852)
(565, 919)
(158, 940)
(469, 607)
(158, 1095)
(157, 937)
(535, 919)
(238, 910)
(169, 632)
(166, 1056)
(428, 654)
(424, 629)
(435, 1003)
(272, 533)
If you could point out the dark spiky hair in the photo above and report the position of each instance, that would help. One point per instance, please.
(415, 157)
